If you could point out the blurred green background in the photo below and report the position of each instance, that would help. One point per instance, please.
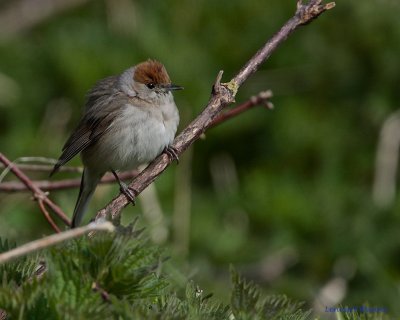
(284, 195)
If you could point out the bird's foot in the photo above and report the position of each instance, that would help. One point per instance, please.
(172, 153)
(129, 192)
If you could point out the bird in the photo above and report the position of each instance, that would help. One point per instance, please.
(128, 120)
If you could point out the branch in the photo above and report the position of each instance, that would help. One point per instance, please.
(45, 168)
(54, 239)
(305, 13)
(31, 166)
(222, 95)
(47, 216)
(261, 99)
(37, 193)
(13, 186)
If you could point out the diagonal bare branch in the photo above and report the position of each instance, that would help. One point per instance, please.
(222, 94)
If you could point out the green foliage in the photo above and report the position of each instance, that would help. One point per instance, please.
(249, 303)
(16, 272)
(81, 275)
(118, 276)
(365, 313)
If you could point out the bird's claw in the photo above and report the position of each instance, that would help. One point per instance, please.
(172, 153)
(129, 192)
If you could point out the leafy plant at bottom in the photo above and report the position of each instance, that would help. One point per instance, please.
(81, 278)
(116, 276)
(361, 314)
(248, 302)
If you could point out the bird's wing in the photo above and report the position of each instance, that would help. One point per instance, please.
(85, 135)
(98, 117)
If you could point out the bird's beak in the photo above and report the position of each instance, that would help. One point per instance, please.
(171, 87)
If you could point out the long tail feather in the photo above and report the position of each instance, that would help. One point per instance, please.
(88, 186)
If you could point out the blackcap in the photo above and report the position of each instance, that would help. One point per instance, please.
(128, 120)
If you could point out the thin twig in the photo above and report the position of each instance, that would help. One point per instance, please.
(54, 239)
(221, 96)
(47, 216)
(37, 193)
(45, 168)
(305, 13)
(46, 185)
(261, 99)
(27, 159)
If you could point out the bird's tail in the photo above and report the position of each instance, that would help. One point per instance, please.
(88, 185)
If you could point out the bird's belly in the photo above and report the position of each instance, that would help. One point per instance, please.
(129, 143)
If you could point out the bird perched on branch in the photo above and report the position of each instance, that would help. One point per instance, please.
(128, 120)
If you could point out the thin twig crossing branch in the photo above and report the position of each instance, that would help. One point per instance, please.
(46, 185)
(38, 194)
(261, 99)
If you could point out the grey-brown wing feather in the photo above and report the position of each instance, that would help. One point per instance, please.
(95, 122)
(83, 137)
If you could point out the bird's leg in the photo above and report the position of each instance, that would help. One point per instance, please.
(129, 192)
(172, 153)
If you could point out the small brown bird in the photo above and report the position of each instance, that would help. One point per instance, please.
(129, 120)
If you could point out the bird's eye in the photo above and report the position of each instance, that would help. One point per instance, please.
(150, 85)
